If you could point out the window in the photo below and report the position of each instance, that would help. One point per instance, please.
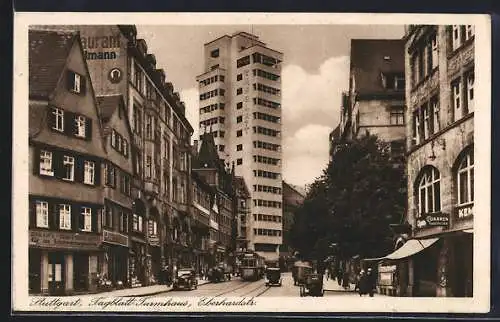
(125, 147)
(435, 55)
(243, 61)
(239, 105)
(221, 148)
(214, 53)
(123, 222)
(239, 161)
(110, 175)
(80, 122)
(239, 77)
(239, 91)
(65, 217)
(140, 227)
(469, 32)
(427, 121)
(465, 180)
(221, 134)
(239, 133)
(397, 116)
(456, 93)
(89, 172)
(221, 78)
(86, 219)
(113, 138)
(429, 194)
(470, 92)
(148, 166)
(239, 147)
(434, 103)
(69, 168)
(239, 119)
(46, 163)
(42, 214)
(76, 82)
(399, 82)
(58, 115)
(456, 37)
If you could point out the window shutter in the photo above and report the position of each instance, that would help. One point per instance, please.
(69, 123)
(57, 164)
(95, 213)
(51, 118)
(55, 216)
(70, 80)
(36, 160)
(83, 84)
(97, 173)
(79, 169)
(32, 211)
(74, 217)
(81, 220)
(88, 129)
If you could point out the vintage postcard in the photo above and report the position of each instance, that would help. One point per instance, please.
(176, 162)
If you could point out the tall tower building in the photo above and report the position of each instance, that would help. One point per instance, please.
(240, 103)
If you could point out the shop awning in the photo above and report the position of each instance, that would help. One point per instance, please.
(411, 247)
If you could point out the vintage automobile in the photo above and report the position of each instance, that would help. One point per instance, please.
(299, 271)
(185, 279)
(215, 275)
(273, 276)
(313, 285)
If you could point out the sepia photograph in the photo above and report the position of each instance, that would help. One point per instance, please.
(251, 163)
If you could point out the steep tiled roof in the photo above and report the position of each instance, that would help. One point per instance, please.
(208, 154)
(368, 62)
(107, 106)
(48, 51)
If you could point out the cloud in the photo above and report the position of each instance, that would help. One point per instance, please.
(305, 154)
(311, 109)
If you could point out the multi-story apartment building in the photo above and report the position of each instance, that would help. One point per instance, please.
(66, 154)
(440, 163)
(240, 103)
(120, 64)
(243, 212)
(292, 200)
(117, 218)
(210, 169)
(375, 100)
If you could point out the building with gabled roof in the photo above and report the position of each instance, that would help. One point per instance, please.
(66, 154)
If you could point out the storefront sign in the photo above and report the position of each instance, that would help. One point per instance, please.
(433, 220)
(154, 240)
(465, 212)
(114, 238)
(64, 240)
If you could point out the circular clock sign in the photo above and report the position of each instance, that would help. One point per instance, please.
(115, 75)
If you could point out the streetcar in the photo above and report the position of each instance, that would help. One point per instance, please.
(251, 266)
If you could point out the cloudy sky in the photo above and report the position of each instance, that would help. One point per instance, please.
(314, 73)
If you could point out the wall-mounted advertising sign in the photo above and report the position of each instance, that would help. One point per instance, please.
(433, 219)
(100, 47)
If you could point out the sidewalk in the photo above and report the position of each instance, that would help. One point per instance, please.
(143, 291)
(332, 285)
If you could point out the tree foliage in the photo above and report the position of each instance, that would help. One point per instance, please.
(361, 192)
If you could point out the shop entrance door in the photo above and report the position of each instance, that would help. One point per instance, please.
(81, 271)
(57, 273)
(463, 258)
(35, 262)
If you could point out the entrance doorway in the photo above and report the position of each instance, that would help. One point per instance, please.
(35, 261)
(56, 274)
(462, 266)
(81, 271)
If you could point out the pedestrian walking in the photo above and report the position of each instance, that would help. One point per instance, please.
(371, 282)
(340, 274)
(345, 280)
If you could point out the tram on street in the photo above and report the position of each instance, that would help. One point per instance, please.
(252, 266)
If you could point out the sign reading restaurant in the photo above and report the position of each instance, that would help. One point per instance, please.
(97, 47)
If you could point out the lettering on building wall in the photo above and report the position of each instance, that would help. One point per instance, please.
(465, 212)
(100, 42)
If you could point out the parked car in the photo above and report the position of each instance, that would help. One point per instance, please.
(185, 279)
